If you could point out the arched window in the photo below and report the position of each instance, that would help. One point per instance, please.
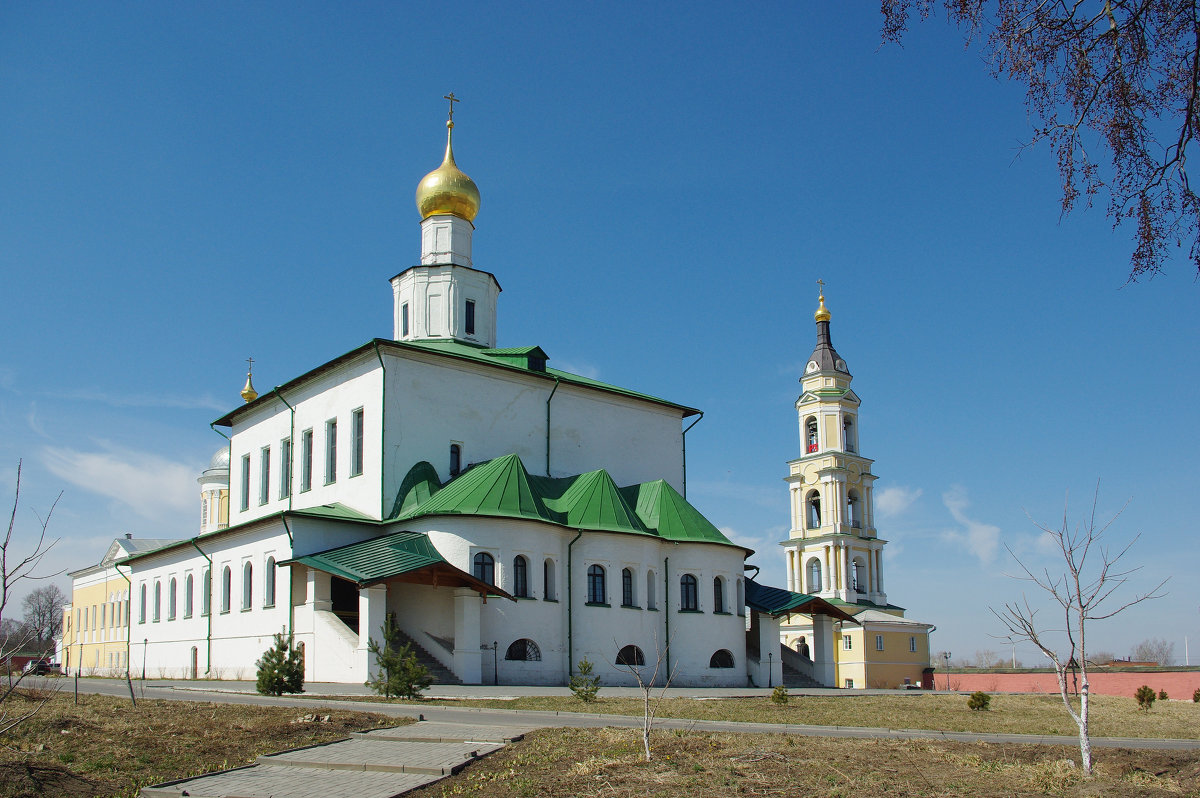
(188, 584)
(269, 583)
(206, 592)
(630, 655)
(689, 600)
(157, 603)
(226, 587)
(141, 607)
(520, 577)
(171, 599)
(485, 568)
(548, 591)
(455, 459)
(626, 587)
(810, 435)
(651, 602)
(814, 576)
(523, 650)
(852, 505)
(849, 436)
(247, 585)
(718, 594)
(813, 505)
(596, 589)
(741, 597)
(859, 574)
(721, 659)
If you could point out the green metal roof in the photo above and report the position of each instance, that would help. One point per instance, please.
(661, 508)
(376, 560)
(776, 601)
(497, 487)
(591, 501)
(419, 484)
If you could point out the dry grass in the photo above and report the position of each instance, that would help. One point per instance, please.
(607, 762)
(1112, 716)
(104, 746)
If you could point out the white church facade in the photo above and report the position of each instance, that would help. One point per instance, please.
(514, 518)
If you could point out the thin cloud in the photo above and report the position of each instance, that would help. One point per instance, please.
(894, 501)
(35, 423)
(149, 485)
(205, 402)
(980, 539)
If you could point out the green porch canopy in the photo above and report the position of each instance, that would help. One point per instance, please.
(776, 602)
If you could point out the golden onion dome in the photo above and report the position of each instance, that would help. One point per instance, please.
(447, 190)
(248, 392)
(822, 313)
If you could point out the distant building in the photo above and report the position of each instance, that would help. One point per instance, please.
(833, 550)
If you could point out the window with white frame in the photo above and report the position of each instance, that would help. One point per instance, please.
(264, 475)
(247, 585)
(912, 644)
(206, 592)
(306, 460)
(331, 451)
(226, 587)
(171, 599)
(879, 642)
(245, 482)
(157, 605)
(269, 583)
(285, 468)
(188, 586)
(356, 442)
(847, 643)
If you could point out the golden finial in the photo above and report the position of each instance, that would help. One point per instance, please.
(822, 313)
(248, 393)
(446, 190)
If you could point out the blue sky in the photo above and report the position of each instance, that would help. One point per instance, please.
(183, 186)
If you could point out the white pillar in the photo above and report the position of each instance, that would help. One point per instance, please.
(318, 590)
(791, 569)
(827, 576)
(879, 570)
(768, 644)
(824, 669)
(847, 581)
(468, 661)
(372, 608)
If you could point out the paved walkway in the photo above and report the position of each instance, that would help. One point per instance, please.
(381, 763)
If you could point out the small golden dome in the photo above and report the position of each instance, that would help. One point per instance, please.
(248, 392)
(447, 190)
(822, 313)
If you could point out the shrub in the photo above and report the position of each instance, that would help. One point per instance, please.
(780, 696)
(1145, 697)
(1162, 695)
(400, 672)
(1196, 696)
(979, 701)
(584, 685)
(281, 669)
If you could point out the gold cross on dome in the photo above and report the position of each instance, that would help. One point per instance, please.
(250, 366)
(452, 100)
(822, 284)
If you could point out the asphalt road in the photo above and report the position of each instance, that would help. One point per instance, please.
(243, 693)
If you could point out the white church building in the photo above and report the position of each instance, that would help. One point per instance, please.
(515, 519)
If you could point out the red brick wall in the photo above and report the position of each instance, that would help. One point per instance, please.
(1178, 684)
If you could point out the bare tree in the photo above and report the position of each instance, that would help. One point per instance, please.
(43, 613)
(1121, 74)
(1154, 650)
(631, 660)
(1085, 591)
(16, 568)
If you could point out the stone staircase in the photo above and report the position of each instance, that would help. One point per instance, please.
(439, 672)
(792, 664)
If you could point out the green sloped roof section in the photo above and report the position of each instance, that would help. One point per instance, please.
(498, 487)
(337, 510)
(420, 483)
(776, 601)
(593, 501)
(663, 510)
(375, 559)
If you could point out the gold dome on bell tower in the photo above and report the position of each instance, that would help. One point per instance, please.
(447, 189)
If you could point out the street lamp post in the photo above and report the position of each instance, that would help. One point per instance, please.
(946, 657)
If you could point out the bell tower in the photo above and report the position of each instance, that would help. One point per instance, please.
(833, 550)
(445, 297)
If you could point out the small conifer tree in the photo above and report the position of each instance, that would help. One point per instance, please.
(780, 696)
(1145, 696)
(400, 673)
(1196, 696)
(281, 668)
(1162, 695)
(584, 685)
(979, 701)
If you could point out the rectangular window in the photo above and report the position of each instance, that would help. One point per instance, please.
(306, 457)
(330, 451)
(849, 684)
(245, 482)
(264, 475)
(404, 320)
(846, 643)
(879, 642)
(356, 443)
(285, 468)
(470, 317)
(912, 644)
